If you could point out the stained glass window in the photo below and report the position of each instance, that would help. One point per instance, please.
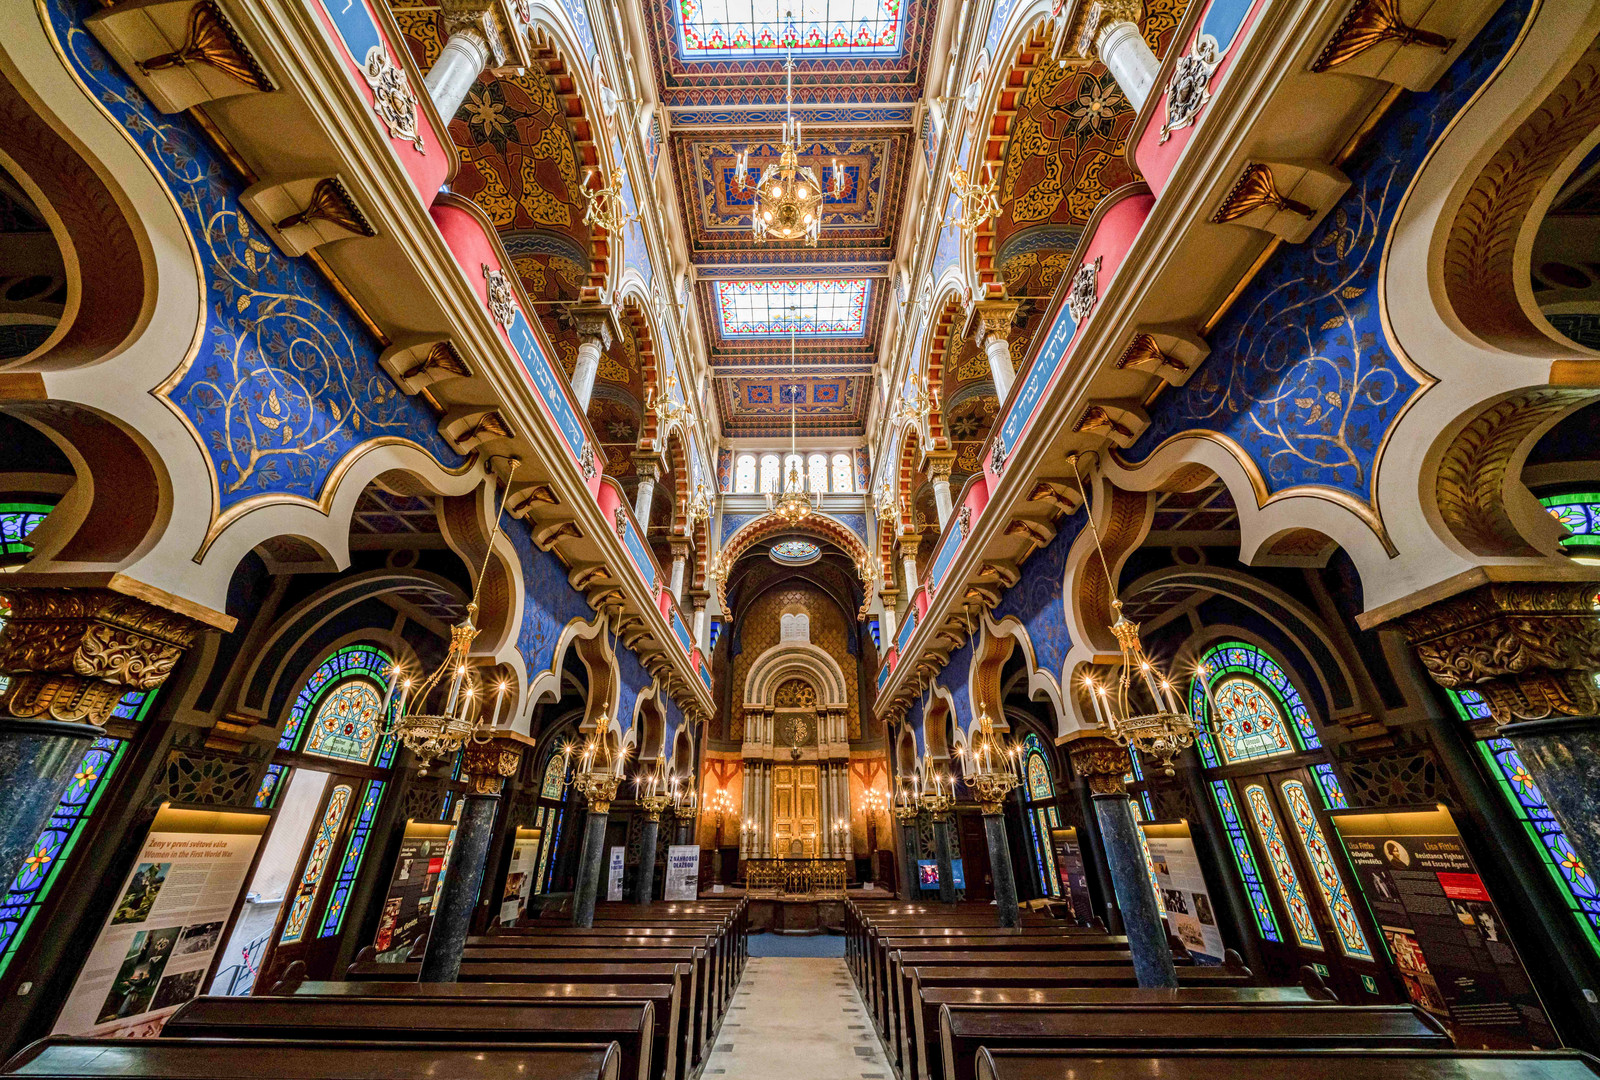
(1039, 786)
(294, 927)
(812, 308)
(744, 475)
(17, 520)
(1305, 927)
(271, 782)
(1527, 802)
(354, 848)
(1581, 515)
(1253, 695)
(817, 472)
(344, 694)
(1244, 858)
(554, 774)
(844, 473)
(795, 551)
(739, 29)
(1332, 794)
(55, 844)
(769, 472)
(1351, 939)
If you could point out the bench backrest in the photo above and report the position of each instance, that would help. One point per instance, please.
(1304, 1065)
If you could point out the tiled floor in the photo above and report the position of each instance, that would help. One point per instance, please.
(796, 1018)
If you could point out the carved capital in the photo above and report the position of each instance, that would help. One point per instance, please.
(487, 765)
(1102, 763)
(647, 466)
(1528, 648)
(991, 319)
(596, 324)
(939, 466)
(909, 546)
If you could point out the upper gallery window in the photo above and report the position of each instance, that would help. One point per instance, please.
(812, 308)
(738, 29)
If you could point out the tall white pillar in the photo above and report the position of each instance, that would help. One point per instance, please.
(461, 61)
(908, 562)
(680, 562)
(939, 473)
(886, 626)
(989, 323)
(1123, 51)
(641, 501)
(998, 351)
(587, 367)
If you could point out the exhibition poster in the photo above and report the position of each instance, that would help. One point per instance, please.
(683, 872)
(1190, 914)
(519, 876)
(614, 882)
(1074, 878)
(414, 889)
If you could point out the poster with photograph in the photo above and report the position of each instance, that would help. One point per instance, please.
(1190, 914)
(519, 875)
(1074, 877)
(1438, 921)
(614, 880)
(683, 872)
(166, 925)
(414, 888)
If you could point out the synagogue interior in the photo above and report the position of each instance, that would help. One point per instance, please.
(865, 539)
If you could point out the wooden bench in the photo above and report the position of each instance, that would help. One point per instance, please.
(676, 976)
(918, 1029)
(664, 1055)
(631, 1025)
(208, 1059)
(964, 1029)
(1285, 1065)
(725, 943)
(713, 971)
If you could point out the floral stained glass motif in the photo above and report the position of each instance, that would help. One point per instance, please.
(271, 783)
(1332, 794)
(739, 29)
(1305, 927)
(1351, 938)
(810, 308)
(17, 520)
(346, 723)
(1246, 730)
(354, 848)
(1040, 786)
(1527, 802)
(50, 851)
(795, 551)
(1579, 513)
(294, 927)
(1244, 858)
(353, 662)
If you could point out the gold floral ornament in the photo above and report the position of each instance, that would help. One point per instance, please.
(606, 208)
(392, 98)
(1254, 189)
(979, 203)
(1370, 23)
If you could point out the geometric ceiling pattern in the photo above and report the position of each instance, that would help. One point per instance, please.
(803, 308)
(721, 29)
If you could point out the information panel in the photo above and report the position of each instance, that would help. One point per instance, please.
(414, 889)
(683, 872)
(1190, 914)
(1447, 938)
(153, 953)
(519, 876)
(1074, 878)
(614, 879)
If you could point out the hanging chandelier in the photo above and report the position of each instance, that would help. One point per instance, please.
(666, 405)
(794, 504)
(699, 508)
(991, 768)
(599, 769)
(432, 733)
(914, 406)
(1168, 728)
(788, 196)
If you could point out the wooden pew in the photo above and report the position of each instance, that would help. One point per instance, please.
(964, 1029)
(665, 1056)
(724, 942)
(1288, 1065)
(918, 1027)
(631, 1025)
(207, 1059)
(676, 976)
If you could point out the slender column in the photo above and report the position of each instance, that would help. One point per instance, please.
(941, 850)
(1108, 31)
(461, 61)
(587, 888)
(1103, 764)
(908, 563)
(1530, 649)
(1005, 882)
(886, 625)
(700, 623)
(644, 887)
(989, 323)
(910, 848)
(939, 473)
(680, 561)
(641, 501)
(70, 655)
(486, 768)
(597, 329)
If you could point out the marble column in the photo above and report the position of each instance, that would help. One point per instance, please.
(486, 767)
(463, 58)
(591, 864)
(942, 852)
(886, 624)
(1103, 764)
(680, 563)
(1530, 650)
(908, 564)
(70, 655)
(596, 327)
(990, 325)
(644, 496)
(1005, 881)
(939, 473)
(1108, 31)
(649, 837)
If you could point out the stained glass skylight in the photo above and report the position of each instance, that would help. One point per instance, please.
(749, 309)
(737, 29)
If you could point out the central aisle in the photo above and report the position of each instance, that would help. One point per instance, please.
(796, 1017)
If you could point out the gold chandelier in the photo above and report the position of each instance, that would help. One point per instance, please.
(435, 733)
(605, 206)
(991, 767)
(666, 405)
(978, 200)
(1166, 730)
(788, 196)
(913, 407)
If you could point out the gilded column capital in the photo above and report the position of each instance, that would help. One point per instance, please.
(647, 465)
(1102, 763)
(1082, 20)
(482, 19)
(486, 765)
(72, 653)
(1530, 648)
(939, 466)
(988, 319)
(595, 323)
(909, 546)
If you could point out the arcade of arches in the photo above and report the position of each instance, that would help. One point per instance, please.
(684, 508)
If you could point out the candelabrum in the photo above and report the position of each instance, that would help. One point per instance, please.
(978, 200)
(939, 798)
(599, 769)
(666, 405)
(992, 768)
(605, 206)
(685, 797)
(652, 794)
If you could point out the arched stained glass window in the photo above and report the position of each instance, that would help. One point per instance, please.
(817, 472)
(17, 520)
(1042, 814)
(1039, 786)
(1305, 927)
(554, 774)
(551, 791)
(843, 473)
(769, 472)
(744, 475)
(1581, 515)
(1244, 858)
(343, 696)
(1258, 712)
(354, 849)
(294, 927)
(1345, 923)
